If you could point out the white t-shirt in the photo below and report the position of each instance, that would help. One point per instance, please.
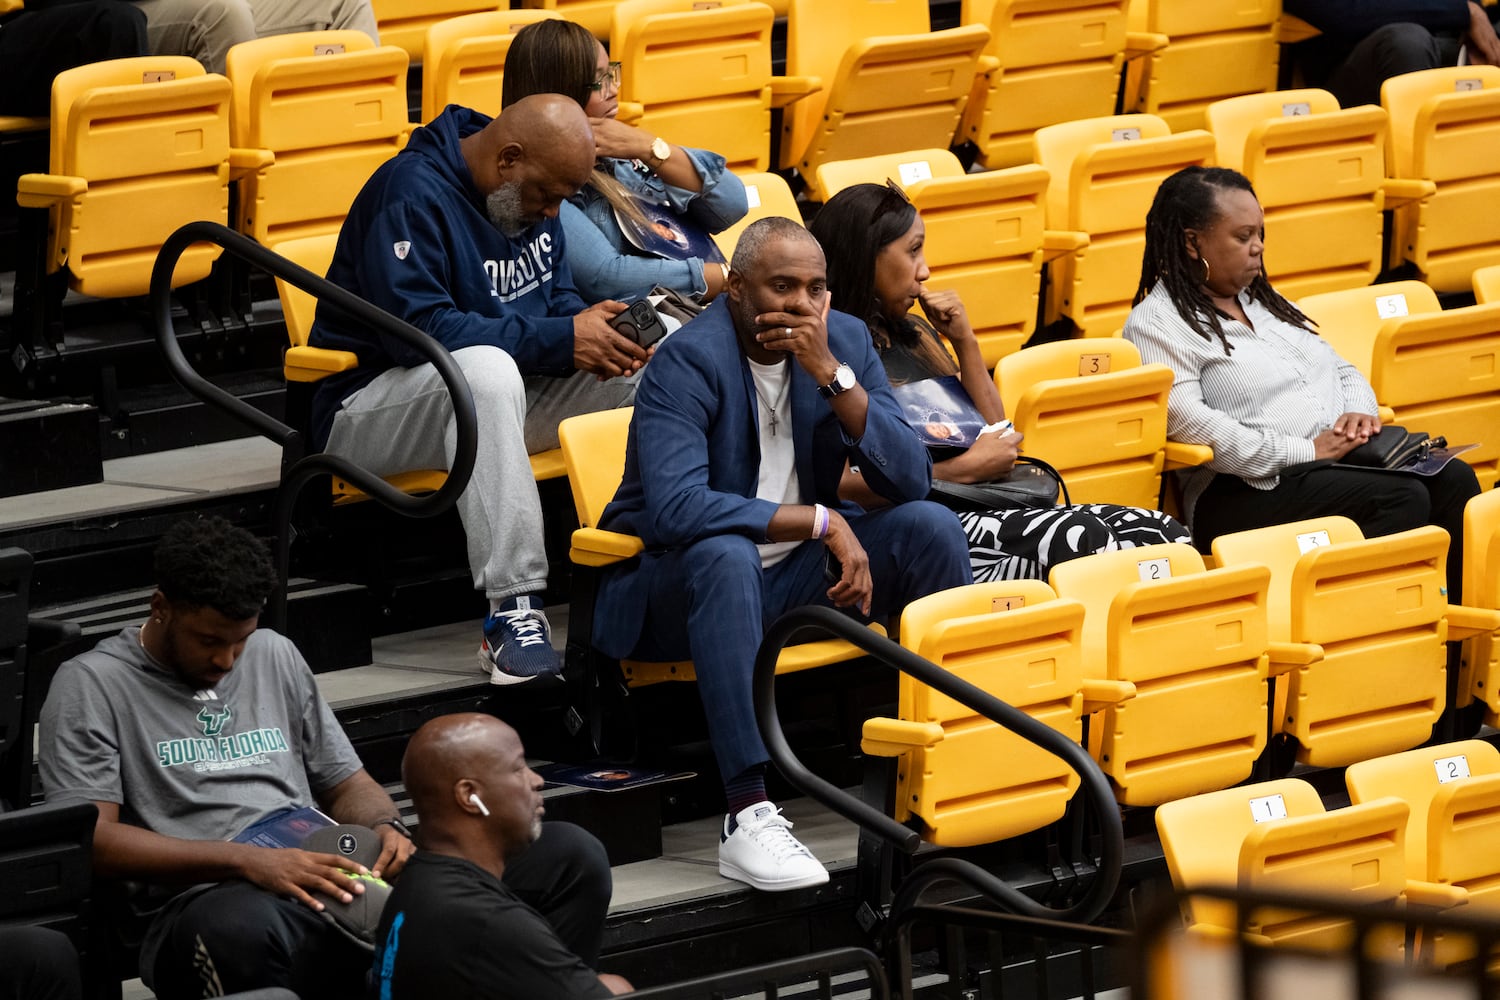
(778, 455)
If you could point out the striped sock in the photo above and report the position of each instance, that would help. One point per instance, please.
(744, 790)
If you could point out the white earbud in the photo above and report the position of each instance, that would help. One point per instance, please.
(479, 804)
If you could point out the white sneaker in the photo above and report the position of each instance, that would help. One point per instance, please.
(762, 852)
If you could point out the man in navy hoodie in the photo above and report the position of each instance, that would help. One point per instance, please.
(458, 235)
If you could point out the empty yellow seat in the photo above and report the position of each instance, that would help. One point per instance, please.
(316, 112)
(138, 148)
(1194, 643)
(595, 15)
(888, 81)
(766, 194)
(1201, 52)
(1445, 128)
(1104, 175)
(1437, 370)
(404, 23)
(1479, 671)
(463, 59)
(1047, 61)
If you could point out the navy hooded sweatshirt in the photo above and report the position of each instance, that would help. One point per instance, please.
(419, 244)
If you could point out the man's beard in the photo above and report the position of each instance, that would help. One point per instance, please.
(504, 209)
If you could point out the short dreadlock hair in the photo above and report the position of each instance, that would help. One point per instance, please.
(208, 562)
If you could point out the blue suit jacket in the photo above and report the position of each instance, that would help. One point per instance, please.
(692, 461)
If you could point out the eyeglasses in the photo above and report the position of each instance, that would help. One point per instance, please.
(894, 199)
(610, 76)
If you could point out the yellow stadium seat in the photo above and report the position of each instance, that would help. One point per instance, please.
(595, 15)
(1194, 644)
(1319, 173)
(1095, 412)
(593, 448)
(316, 112)
(1015, 640)
(404, 23)
(1200, 52)
(463, 59)
(1047, 61)
(1275, 836)
(138, 148)
(1437, 370)
(888, 81)
(1487, 283)
(1479, 671)
(1445, 128)
(986, 237)
(1104, 175)
(700, 74)
(1378, 611)
(767, 195)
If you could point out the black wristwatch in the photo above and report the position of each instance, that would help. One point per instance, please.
(395, 823)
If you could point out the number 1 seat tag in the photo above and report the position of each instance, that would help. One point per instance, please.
(1268, 807)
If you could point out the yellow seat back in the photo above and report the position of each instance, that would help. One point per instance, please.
(150, 137)
(767, 195)
(404, 23)
(595, 15)
(1058, 60)
(329, 108)
(1193, 642)
(593, 445)
(1019, 643)
(1213, 50)
(1104, 175)
(1091, 409)
(1317, 171)
(889, 82)
(1445, 127)
(1487, 283)
(1378, 609)
(463, 59)
(1479, 674)
(700, 72)
(298, 307)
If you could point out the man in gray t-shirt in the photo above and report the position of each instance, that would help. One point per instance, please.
(185, 731)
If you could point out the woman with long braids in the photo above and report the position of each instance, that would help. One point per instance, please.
(872, 237)
(1253, 380)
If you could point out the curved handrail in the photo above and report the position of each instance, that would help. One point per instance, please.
(309, 467)
(1095, 785)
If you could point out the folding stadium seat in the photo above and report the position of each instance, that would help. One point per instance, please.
(1319, 173)
(1275, 836)
(139, 147)
(1105, 172)
(463, 59)
(595, 15)
(1378, 612)
(1095, 412)
(1453, 833)
(1202, 52)
(404, 23)
(593, 447)
(1194, 643)
(1437, 370)
(1445, 128)
(304, 365)
(314, 114)
(1487, 283)
(1047, 61)
(1016, 640)
(1479, 672)
(985, 234)
(700, 74)
(767, 194)
(889, 82)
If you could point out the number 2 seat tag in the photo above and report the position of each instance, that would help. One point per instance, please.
(1155, 569)
(1451, 768)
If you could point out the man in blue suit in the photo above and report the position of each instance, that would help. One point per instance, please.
(743, 425)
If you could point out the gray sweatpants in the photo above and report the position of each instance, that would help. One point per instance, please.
(402, 421)
(207, 29)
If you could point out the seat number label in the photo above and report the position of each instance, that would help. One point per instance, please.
(1451, 768)
(911, 173)
(1296, 109)
(1124, 135)
(1391, 306)
(1312, 540)
(1155, 569)
(1093, 364)
(1007, 603)
(1267, 808)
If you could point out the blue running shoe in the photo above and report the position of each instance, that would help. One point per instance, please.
(517, 644)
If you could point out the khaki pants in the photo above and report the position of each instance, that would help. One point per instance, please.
(206, 29)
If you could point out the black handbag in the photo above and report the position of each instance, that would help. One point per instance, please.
(1392, 447)
(1031, 484)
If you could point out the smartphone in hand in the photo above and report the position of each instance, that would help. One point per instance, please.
(640, 323)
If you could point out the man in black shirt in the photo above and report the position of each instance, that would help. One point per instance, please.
(458, 923)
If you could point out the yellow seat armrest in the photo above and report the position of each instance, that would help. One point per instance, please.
(1101, 694)
(1386, 414)
(1398, 191)
(1143, 43)
(311, 364)
(1466, 622)
(1437, 895)
(1287, 656)
(893, 737)
(1181, 455)
(986, 64)
(1291, 29)
(1061, 242)
(630, 112)
(248, 160)
(597, 547)
(45, 190)
(787, 89)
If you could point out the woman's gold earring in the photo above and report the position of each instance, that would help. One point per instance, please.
(1207, 272)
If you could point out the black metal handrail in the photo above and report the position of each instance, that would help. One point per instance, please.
(832, 623)
(309, 467)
